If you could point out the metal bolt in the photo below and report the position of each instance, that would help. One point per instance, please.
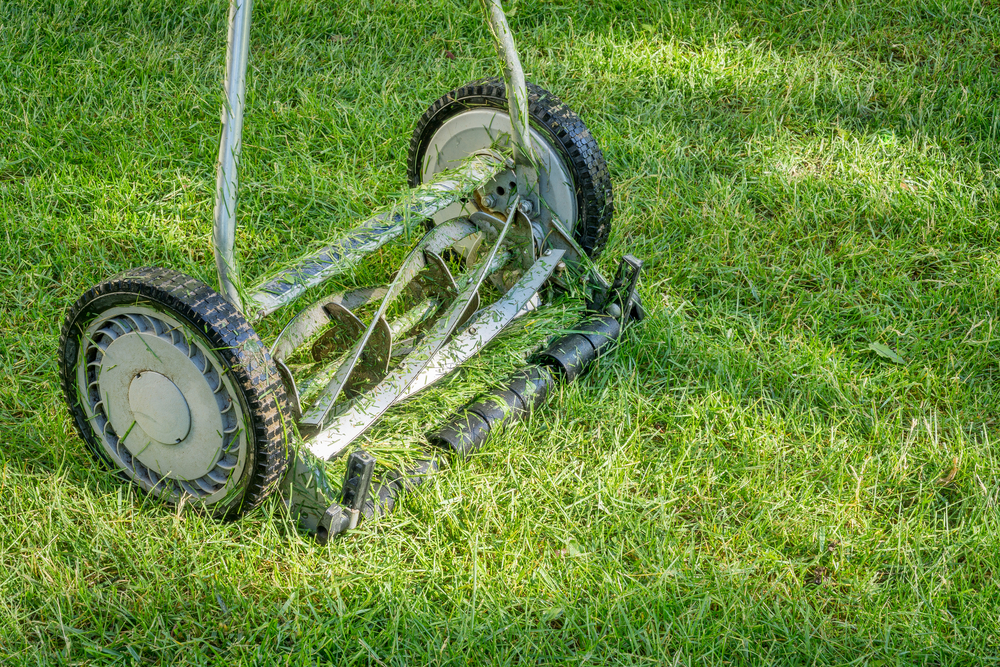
(526, 207)
(548, 251)
(489, 201)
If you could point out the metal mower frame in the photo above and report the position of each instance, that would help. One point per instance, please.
(149, 361)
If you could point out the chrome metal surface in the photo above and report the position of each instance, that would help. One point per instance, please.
(486, 324)
(517, 89)
(310, 321)
(434, 283)
(227, 179)
(291, 388)
(344, 329)
(362, 412)
(446, 188)
(434, 241)
(308, 324)
(412, 317)
(373, 363)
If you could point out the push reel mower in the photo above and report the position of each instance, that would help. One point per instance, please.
(170, 386)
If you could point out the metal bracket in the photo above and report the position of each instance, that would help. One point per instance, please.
(357, 482)
(621, 299)
(316, 506)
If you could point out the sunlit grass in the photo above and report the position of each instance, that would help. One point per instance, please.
(744, 480)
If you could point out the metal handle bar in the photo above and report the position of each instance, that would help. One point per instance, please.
(227, 181)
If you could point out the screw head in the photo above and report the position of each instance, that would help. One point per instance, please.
(526, 207)
(489, 201)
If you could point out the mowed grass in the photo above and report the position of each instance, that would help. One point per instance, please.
(745, 480)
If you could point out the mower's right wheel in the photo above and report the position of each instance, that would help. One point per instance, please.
(576, 185)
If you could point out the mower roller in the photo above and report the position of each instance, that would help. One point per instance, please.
(173, 390)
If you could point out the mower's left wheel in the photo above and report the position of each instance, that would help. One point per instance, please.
(172, 389)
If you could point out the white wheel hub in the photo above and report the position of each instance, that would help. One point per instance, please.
(159, 408)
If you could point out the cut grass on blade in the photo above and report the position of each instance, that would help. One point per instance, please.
(794, 460)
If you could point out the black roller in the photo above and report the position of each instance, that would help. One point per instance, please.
(571, 354)
(462, 434)
(568, 355)
(494, 409)
(470, 427)
(532, 385)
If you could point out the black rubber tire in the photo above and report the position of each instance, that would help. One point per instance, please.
(551, 117)
(236, 346)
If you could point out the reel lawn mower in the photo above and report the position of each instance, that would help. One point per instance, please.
(172, 389)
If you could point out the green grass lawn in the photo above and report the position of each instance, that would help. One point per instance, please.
(745, 480)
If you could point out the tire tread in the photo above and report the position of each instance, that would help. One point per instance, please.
(233, 340)
(595, 196)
